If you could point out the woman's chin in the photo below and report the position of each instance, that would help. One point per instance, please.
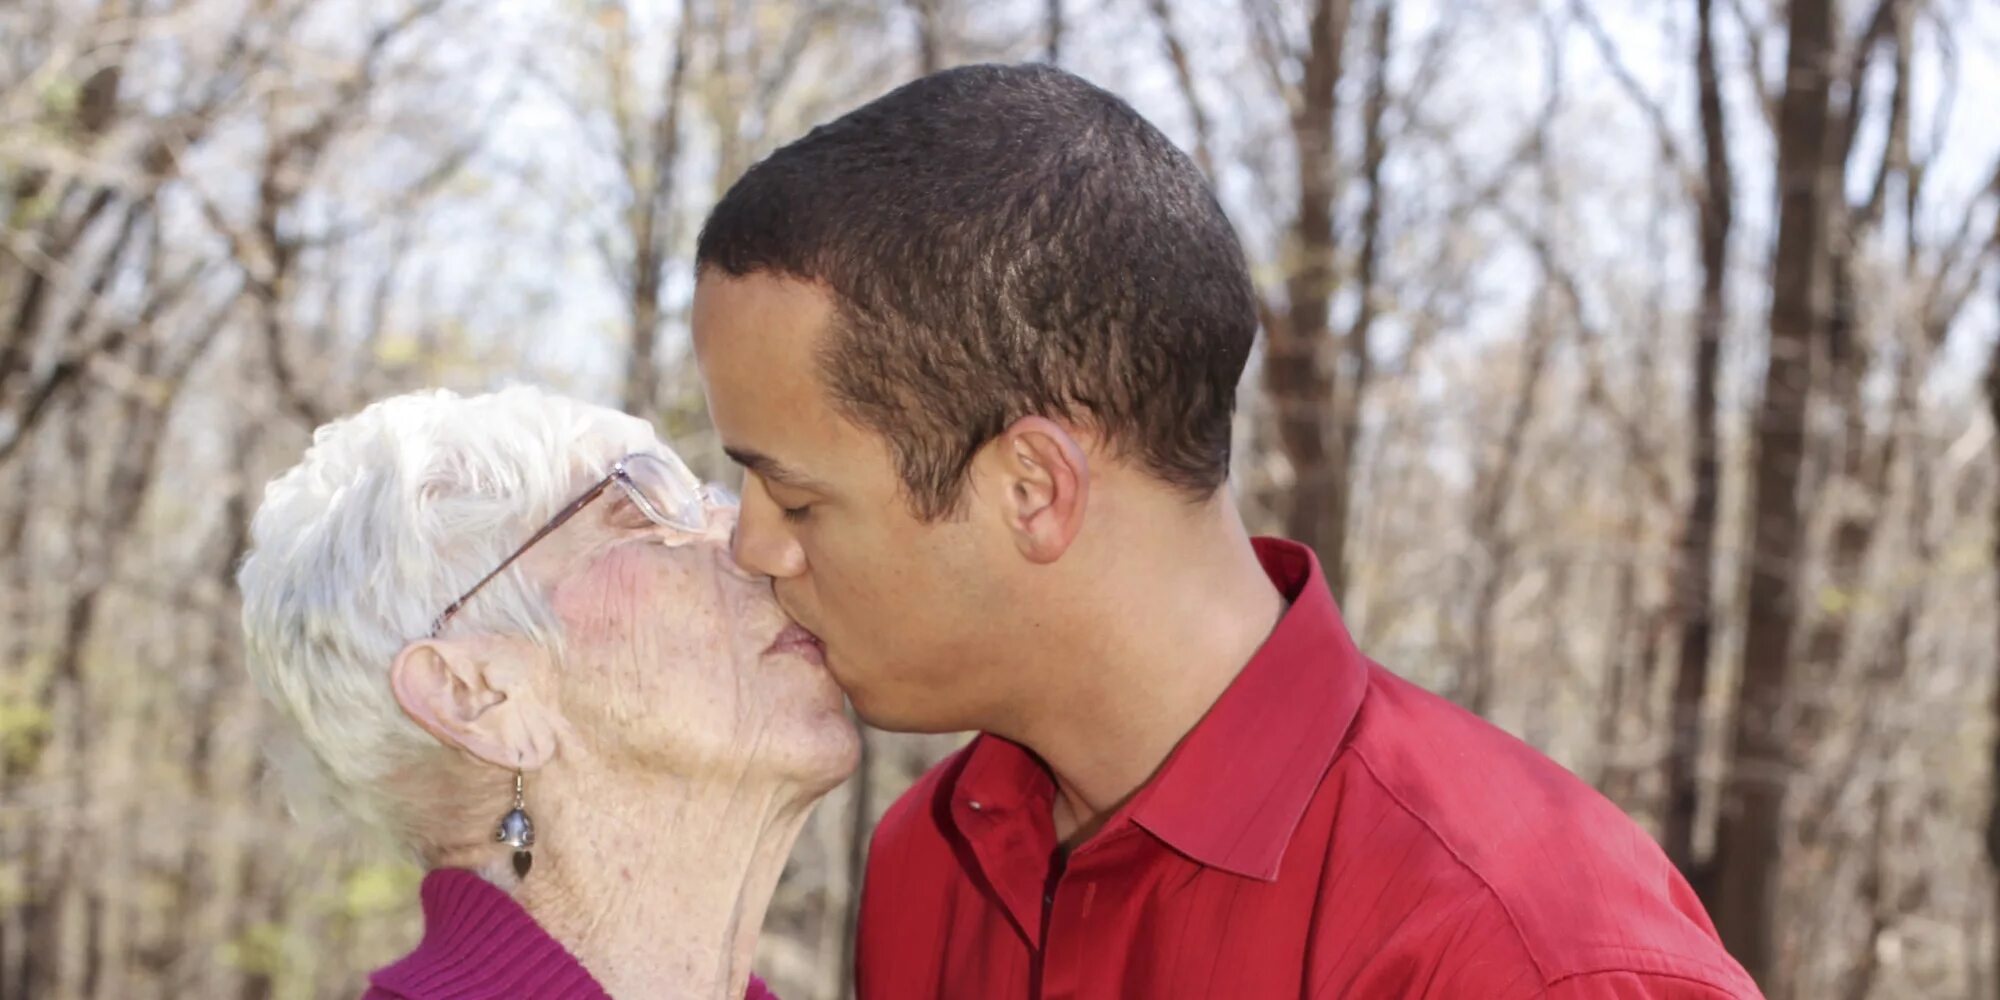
(821, 745)
(835, 753)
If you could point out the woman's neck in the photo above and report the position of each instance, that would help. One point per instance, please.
(657, 885)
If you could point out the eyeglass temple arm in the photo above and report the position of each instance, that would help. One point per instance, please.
(438, 623)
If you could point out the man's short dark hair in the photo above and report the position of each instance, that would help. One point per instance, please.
(1002, 241)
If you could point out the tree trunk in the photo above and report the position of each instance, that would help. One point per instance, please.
(1637, 632)
(1358, 351)
(1993, 777)
(1052, 20)
(1695, 576)
(1301, 391)
(653, 232)
(1858, 487)
(1750, 836)
(642, 365)
(930, 41)
(861, 821)
(1177, 57)
(1477, 684)
(1886, 684)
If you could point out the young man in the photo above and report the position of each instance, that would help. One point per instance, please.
(977, 345)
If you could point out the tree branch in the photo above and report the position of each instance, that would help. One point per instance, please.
(1663, 132)
(1184, 76)
(1753, 37)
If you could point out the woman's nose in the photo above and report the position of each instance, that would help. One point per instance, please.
(727, 553)
(722, 534)
(718, 512)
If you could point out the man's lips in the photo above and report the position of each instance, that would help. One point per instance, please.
(800, 642)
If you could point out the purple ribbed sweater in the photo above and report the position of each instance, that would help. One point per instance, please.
(480, 945)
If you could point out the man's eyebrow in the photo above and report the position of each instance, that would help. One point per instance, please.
(774, 470)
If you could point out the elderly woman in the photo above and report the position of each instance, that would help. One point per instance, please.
(510, 630)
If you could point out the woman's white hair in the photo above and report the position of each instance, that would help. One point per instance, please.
(388, 518)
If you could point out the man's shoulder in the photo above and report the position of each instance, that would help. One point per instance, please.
(1481, 791)
(1585, 889)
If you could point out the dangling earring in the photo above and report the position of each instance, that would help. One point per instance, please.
(517, 831)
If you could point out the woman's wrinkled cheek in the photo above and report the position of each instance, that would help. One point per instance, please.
(593, 604)
(666, 647)
(636, 609)
(610, 613)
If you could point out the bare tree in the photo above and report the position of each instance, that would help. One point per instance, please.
(1992, 831)
(1694, 577)
(1052, 21)
(1357, 342)
(1177, 56)
(1750, 840)
(930, 35)
(1494, 489)
(1859, 484)
(1301, 391)
(648, 141)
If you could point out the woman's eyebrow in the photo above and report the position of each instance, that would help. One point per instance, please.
(774, 470)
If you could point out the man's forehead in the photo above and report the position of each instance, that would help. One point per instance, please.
(755, 343)
(751, 337)
(771, 310)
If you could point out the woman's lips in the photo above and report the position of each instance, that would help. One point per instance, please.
(799, 642)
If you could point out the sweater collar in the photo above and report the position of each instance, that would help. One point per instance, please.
(479, 944)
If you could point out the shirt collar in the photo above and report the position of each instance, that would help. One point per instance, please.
(1232, 793)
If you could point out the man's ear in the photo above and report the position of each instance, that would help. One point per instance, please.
(1043, 477)
(478, 695)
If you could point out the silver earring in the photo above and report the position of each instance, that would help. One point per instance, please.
(517, 831)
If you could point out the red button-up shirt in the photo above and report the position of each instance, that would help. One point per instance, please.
(1326, 830)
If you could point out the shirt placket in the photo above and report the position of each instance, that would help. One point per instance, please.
(1010, 853)
(1072, 924)
(1062, 937)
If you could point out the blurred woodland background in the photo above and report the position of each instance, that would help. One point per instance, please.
(1631, 363)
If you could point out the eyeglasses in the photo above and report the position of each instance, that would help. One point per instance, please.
(661, 488)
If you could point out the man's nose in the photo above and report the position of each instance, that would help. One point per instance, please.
(761, 544)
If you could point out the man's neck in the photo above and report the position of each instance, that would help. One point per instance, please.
(659, 886)
(1173, 631)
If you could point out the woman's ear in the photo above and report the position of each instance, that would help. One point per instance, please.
(479, 696)
(1043, 477)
